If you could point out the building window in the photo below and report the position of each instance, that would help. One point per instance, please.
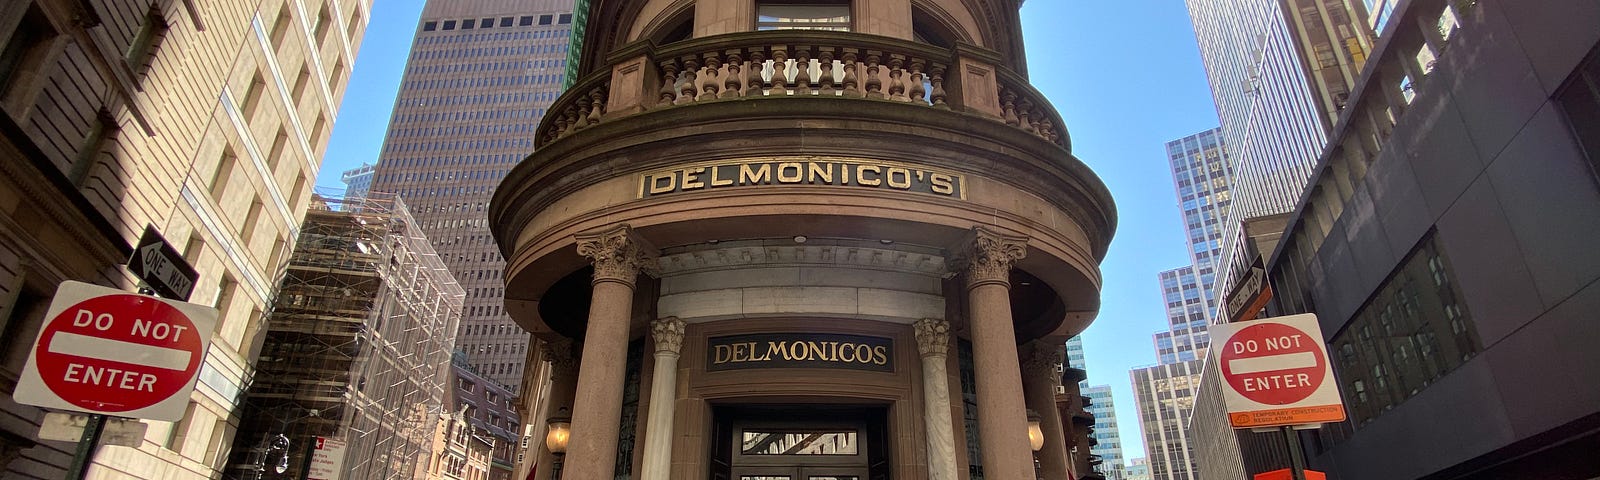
(142, 51)
(803, 16)
(1412, 332)
(430, 26)
(564, 19)
(24, 54)
(1580, 101)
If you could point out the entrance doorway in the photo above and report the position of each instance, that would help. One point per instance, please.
(800, 442)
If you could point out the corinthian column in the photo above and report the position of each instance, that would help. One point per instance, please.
(933, 342)
(1039, 380)
(985, 259)
(619, 256)
(563, 381)
(668, 333)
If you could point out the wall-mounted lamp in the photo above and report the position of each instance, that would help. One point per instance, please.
(1035, 433)
(557, 434)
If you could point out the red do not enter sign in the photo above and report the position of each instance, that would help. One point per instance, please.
(107, 351)
(1273, 363)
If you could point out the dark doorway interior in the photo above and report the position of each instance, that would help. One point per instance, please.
(800, 442)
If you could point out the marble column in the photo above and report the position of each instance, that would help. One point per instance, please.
(1039, 380)
(985, 260)
(619, 256)
(562, 355)
(668, 333)
(933, 342)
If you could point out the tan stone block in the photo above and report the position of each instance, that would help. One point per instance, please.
(797, 300)
(715, 280)
(701, 304)
(893, 303)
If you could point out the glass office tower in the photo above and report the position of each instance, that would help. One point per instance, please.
(480, 76)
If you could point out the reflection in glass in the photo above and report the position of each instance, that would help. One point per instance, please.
(799, 443)
(763, 477)
(776, 16)
(833, 477)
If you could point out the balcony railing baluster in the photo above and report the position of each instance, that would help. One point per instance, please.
(847, 66)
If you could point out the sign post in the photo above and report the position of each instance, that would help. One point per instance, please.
(1276, 373)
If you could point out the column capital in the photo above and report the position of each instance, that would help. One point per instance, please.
(618, 254)
(986, 257)
(1040, 359)
(668, 333)
(933, 337)
(562, 356)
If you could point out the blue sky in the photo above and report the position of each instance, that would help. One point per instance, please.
(1126, 76)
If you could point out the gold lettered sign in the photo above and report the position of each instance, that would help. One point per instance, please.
(798, 171)
(799, 350)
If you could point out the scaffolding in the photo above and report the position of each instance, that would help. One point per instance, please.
(357, 347)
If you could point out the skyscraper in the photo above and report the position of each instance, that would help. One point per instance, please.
(1201, 177)
(205, 120)
(1280, 73)
(1166, 395)
(1444, 247)
(1165, 392)
(1075, 356)
(1107, 438)
(357, 181)
(480, 76)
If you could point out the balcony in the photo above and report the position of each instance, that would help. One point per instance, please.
(849, 67)
(1095, 460)
(739, 136)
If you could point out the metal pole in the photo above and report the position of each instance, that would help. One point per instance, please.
(86, 447)
(1297, 459)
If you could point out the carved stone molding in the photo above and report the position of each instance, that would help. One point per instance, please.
(986, 257)
(737, 257)
(563, 357)
(619, 255)
(668, 333)
(933, 336)
(1040, 360)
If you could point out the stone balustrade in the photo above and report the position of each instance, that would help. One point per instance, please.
(792, 63)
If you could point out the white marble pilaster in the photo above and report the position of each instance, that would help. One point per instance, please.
(668, 333)
(933, 341)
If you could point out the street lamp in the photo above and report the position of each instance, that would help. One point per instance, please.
(555, 439)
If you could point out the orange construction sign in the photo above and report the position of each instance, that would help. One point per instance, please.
(1285, 474)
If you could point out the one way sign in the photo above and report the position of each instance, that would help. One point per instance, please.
(161, 267)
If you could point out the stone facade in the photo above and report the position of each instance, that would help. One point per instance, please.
(846, 233)
(205, 119)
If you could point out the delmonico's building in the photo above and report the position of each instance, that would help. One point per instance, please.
(804, 240)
